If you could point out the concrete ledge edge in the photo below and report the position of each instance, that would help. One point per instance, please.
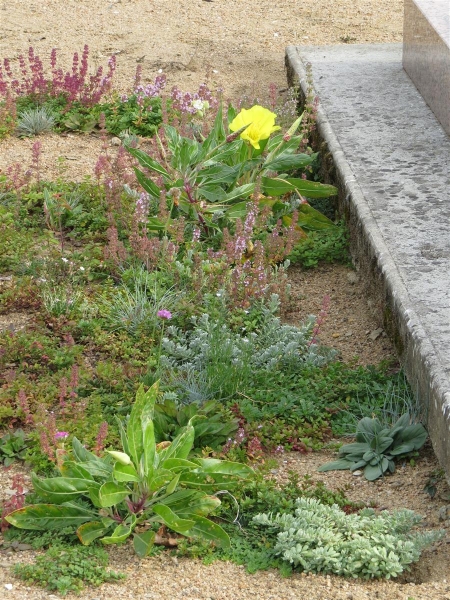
(421, 363)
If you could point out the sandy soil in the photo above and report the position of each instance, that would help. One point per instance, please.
(239, 46)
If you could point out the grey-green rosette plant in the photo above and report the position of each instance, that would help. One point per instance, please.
(376, 448)
(125, 493)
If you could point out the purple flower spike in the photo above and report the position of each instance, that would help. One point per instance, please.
(164, 314)
(61, 435)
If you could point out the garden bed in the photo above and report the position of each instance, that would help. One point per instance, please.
(67, 347)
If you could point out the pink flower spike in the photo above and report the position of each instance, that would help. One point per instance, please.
(164, 314)
(61, 435)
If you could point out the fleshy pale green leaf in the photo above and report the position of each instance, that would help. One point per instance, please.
(287, 161)
(143, 543)
(121, 533)
(209, 531)
(142, 408)
(41, 517)
(112, 493)
(149, 186)
(171, 519)
(123, 472)
(224, 467)
(58, 490)
(89, 532)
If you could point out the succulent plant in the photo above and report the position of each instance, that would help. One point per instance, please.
(376, 448)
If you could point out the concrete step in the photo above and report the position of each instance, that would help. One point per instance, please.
(390, 158)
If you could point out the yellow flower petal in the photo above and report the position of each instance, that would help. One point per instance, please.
(260, 121)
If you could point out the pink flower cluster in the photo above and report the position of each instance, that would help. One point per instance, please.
(74, 84)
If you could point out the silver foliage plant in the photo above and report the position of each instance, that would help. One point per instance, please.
(212, 347)
(324, 539)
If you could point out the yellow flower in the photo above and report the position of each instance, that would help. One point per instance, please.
(260, 121)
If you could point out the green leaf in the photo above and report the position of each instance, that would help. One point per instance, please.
(149, 186)
(336, 465)
(171, 519)
(149, 449)
(372, 472)
(75, 470)
(120, 533)
(356, 448)
(148, 162)
(89, 532)
(142, 409)
(173, 484)
(366, 429)
(286, 161)
(125, 472)
(312, 189)
(208, 530)
(181, 445)
(178, 464)
(61, 489)
(143, 542)
(243, 191)
(40, 517)
(311, 219)
(415, 433)
(224, 467)
(112, 493)
(188, 502)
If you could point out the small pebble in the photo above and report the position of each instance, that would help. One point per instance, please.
(357, 473)
(8, 586)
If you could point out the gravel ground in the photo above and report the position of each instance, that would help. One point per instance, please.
(240, 44)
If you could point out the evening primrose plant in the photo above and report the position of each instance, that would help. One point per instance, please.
(209, 180)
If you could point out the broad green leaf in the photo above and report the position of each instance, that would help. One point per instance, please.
(208, 530)
(180, 446)
(243, 191)
(41, 517)
(311, 219)
(89, 532)
(149, 449)
(143, 405)
(143, 542)
(403, 448)
(61, 489)
(372, 472)
(76, 470)
(148, 162)
(125, 473)
(188, 502)
(286, 161)
(272, 186)
(123, 435)
(172, 137)
(149, 186)
(160, 478)
(224, 467)
(178, 464)
(357, 448)
(415, 433)
(237, 211)
(366, 429)
(154, 224)
(336, 465)
(208, 482)
(173, 485)
(120, 533)
(96, 466)
(312, 189)
(112, 493)
(171, 519)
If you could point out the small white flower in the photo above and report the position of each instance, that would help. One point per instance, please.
(65, 259)
(81, 268)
